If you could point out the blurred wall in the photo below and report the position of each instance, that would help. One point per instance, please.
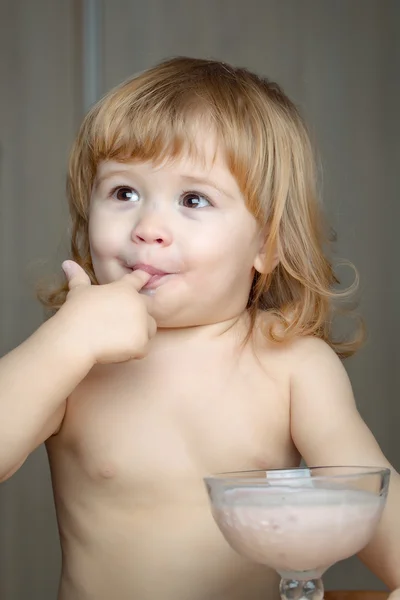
(338, 59)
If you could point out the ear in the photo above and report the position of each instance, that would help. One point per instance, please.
(267, 258)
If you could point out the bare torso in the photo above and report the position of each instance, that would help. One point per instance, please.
(128, 464)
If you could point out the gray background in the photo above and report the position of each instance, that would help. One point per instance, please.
(338, 59)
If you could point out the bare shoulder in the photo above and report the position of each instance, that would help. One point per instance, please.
(313, 363)
(302, 352)
(313, 371)
(319, 382)
(310, 351)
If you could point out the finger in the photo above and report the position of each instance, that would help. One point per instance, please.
(75, 275)
(139, 278)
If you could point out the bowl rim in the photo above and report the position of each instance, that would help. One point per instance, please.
(289, 474)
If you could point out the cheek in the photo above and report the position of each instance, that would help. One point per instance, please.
(221, 264)
(104, 237)
(231, 248)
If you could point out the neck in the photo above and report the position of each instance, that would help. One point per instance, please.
(234, 326)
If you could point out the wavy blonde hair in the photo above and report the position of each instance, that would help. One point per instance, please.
(268, 151)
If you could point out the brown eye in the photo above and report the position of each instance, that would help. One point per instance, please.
(126, 194)
(194, 200)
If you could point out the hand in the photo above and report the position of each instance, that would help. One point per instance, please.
(395, 595)
(112, 320)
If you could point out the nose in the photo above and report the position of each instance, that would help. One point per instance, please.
(151, 230)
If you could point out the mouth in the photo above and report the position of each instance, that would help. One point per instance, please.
(157, 275)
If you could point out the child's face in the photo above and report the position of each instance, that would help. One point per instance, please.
(187, 219)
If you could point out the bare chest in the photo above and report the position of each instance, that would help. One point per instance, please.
(174, 421)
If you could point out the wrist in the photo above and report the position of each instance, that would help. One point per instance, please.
(63, 337)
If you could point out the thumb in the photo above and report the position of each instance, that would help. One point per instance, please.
(75, 275)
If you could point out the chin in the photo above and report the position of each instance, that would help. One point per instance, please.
(165, 321)
(171, 320)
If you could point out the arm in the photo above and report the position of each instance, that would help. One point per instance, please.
(35, 380)
(328, 430)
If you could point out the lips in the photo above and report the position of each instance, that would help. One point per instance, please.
(149, 269)
(157, 275)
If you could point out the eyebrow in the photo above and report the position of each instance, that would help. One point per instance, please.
(203, 180)
(114, 173)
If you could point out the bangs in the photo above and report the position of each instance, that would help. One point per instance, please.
(143, 131)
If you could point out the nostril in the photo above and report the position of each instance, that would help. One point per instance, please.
(148, 239)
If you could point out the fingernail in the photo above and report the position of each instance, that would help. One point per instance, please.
(66, 267)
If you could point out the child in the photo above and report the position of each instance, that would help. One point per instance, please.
(192, 337)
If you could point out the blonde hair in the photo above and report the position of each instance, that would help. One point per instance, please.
(268, 151)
